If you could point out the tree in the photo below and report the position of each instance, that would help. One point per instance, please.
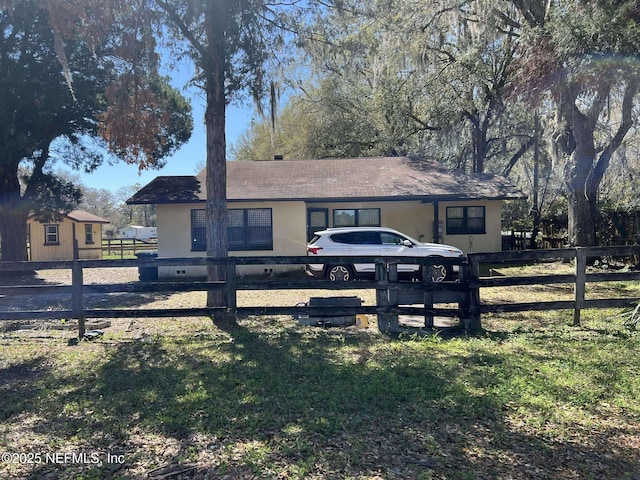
(404, 78)
(58, 92)
(229, 42)
(126, 215)
(591, 75)
(330, 120)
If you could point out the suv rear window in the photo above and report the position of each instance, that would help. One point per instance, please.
(357, 238)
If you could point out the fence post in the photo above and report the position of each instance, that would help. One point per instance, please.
(392, 268)
(231, 283)
(427, 298)
(580, 287)
(77, 299)
(393, 277)
(382, 297)
(470, 274)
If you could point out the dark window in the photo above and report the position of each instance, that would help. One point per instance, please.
(248, 229)
(357, 238)
(389, 238)
(466, 220)
(356, 217)
(198, 231)
(88, 233)
(51, 235)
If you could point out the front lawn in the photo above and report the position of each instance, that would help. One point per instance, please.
(531, 398)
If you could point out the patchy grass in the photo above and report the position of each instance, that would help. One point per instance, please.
(274, 400)
(530, 398)
(555, 292)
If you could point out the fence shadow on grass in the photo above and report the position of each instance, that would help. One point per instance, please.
(249, 402)
(20, 385)
(63, 301)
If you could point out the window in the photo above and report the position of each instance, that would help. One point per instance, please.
(88, 233)
(198, 231)
(248, 229)
(356, 217)
(357, 238)
(466, 220)
(51, 235)
(389, 238)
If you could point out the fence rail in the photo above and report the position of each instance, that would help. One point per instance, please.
(393, 297)
(125, 246)
(580, 278)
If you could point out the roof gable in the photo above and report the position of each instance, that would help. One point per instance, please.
(378, 178)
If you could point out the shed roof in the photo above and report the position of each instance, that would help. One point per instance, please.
(86, 217)
(82, 216)
(354, 179)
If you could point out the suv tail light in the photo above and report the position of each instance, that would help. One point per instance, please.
(313, 250)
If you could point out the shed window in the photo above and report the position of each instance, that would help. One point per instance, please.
(356, 217)
(88, 233)
(51, 235)
(248, 229)
(466, 220)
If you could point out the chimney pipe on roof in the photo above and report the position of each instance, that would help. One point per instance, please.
(278, 157)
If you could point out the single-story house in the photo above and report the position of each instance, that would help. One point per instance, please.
(77, 234)
(275, 206)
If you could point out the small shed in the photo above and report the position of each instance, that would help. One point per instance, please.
(77, 234)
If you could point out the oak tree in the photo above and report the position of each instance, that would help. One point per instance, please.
(73, 84)
(582, 56)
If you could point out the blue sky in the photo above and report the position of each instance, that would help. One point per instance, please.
(185, 161)
(189, 158)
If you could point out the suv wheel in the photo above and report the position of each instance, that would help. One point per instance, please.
(339, 273)
(438, 273)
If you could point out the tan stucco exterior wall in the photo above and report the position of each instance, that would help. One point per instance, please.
(290, 235)
(174, 236)
(415, 219)
(489, 242)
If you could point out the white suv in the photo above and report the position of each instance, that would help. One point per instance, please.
(373, 242)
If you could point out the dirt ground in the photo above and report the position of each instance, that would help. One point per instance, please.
(163, 300)
(245, 298)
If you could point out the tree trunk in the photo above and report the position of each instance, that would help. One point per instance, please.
(13, 217)
(582, 230)
(479, 149)
(535, 207)
(478, 141)
(581, 199)
(216, 206)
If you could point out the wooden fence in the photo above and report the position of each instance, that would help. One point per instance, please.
(387, 285)
(580, 257)
(126, 246)
(394, 298)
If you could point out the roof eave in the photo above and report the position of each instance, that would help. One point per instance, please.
(420, 198)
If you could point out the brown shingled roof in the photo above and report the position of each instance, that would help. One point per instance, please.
(378, 178)
(82, 216)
